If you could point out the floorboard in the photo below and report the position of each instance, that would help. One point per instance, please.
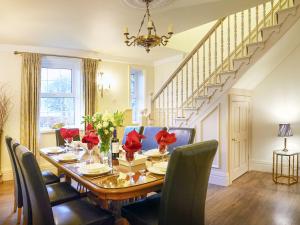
(253, 199)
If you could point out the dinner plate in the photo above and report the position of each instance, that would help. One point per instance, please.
(156, 170)
(155, 153)
(84, 171)
(54, 150)
(67, 157)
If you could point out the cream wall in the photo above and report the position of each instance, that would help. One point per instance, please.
(117, 98)
(10, 74)
(276, 100)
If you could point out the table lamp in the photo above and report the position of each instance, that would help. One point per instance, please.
(285, 131)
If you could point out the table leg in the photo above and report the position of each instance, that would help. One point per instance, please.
(293, 167)
(297, 166)
(276, 169)
(281, 162)
(289, 176)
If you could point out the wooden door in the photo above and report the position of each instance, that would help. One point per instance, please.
(239, 136)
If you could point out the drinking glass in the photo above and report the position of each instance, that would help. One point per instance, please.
(68, 142)
(90, 148)
(130, 157)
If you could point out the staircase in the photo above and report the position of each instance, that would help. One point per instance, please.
(226, 52)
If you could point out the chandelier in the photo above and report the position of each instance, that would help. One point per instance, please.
(151, 39)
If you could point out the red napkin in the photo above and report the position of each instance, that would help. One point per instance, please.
(69, 133)
(91, 139)
(132, 144)
(164, 138)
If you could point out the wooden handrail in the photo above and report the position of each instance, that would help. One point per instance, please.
(189, 56)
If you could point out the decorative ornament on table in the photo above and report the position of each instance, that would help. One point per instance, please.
(132, 145)
(104, 125)
(91, 139)
(68, 135)
(164, 138)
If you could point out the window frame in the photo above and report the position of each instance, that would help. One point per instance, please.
(75, 65)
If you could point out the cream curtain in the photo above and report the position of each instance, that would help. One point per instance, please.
(30, 89)
(90, 72)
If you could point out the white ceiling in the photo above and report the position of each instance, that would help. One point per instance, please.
(97, 25)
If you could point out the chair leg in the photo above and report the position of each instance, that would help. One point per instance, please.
(15, 205)
(19, 215)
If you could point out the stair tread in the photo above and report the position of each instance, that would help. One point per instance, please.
(276, 26)
(257, 43)
(227, 72)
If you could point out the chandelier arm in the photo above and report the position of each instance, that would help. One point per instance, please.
(142, 23)
(129, 38)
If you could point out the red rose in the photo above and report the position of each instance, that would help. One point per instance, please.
(89, 128)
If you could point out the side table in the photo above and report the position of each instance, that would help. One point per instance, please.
(285, 167)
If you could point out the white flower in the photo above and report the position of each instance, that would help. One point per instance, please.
(105, 124)
(105, 131)
(111, 129)
(99, 126)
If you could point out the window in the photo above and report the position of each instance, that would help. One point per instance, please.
(61, 92)
(137, 94)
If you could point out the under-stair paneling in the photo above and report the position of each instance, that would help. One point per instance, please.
(210, 129)
(213, 124)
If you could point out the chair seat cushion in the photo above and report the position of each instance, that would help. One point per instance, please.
(49, 177)
(81, 212)
(61, 192)
(145, 212)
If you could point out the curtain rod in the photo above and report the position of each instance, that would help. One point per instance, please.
(65, 56)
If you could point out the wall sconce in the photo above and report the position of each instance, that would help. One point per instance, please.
(102, 83)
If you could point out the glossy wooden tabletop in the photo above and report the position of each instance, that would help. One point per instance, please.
(115, 185)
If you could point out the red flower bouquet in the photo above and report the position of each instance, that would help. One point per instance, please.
(132, 144)
(164, 139)
(69, 134)
(91, 139)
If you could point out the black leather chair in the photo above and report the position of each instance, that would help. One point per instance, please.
(60, 141)
(48, 176)
(184, 136)
(182, 201)
(18, 201)
(139, 129)
(149, 142)
(58, 192)
(76, 212)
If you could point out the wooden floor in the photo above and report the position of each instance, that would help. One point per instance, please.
(253, 199)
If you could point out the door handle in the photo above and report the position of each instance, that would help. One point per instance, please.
(233, 139)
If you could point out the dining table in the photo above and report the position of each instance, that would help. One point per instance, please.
(121, 183)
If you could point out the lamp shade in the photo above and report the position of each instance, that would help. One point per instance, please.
(285, 130)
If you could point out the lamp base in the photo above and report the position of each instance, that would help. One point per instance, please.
(285, 149)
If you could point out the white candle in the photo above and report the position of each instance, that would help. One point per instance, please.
(150, 24)
(126, 30)
(170, 28)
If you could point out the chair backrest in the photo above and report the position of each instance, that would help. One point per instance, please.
(17, 184)
(184, 191)
(60, 141)
(27, 217)
(37, 192)
(139, 129)
(149, 142)
(184, 136)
